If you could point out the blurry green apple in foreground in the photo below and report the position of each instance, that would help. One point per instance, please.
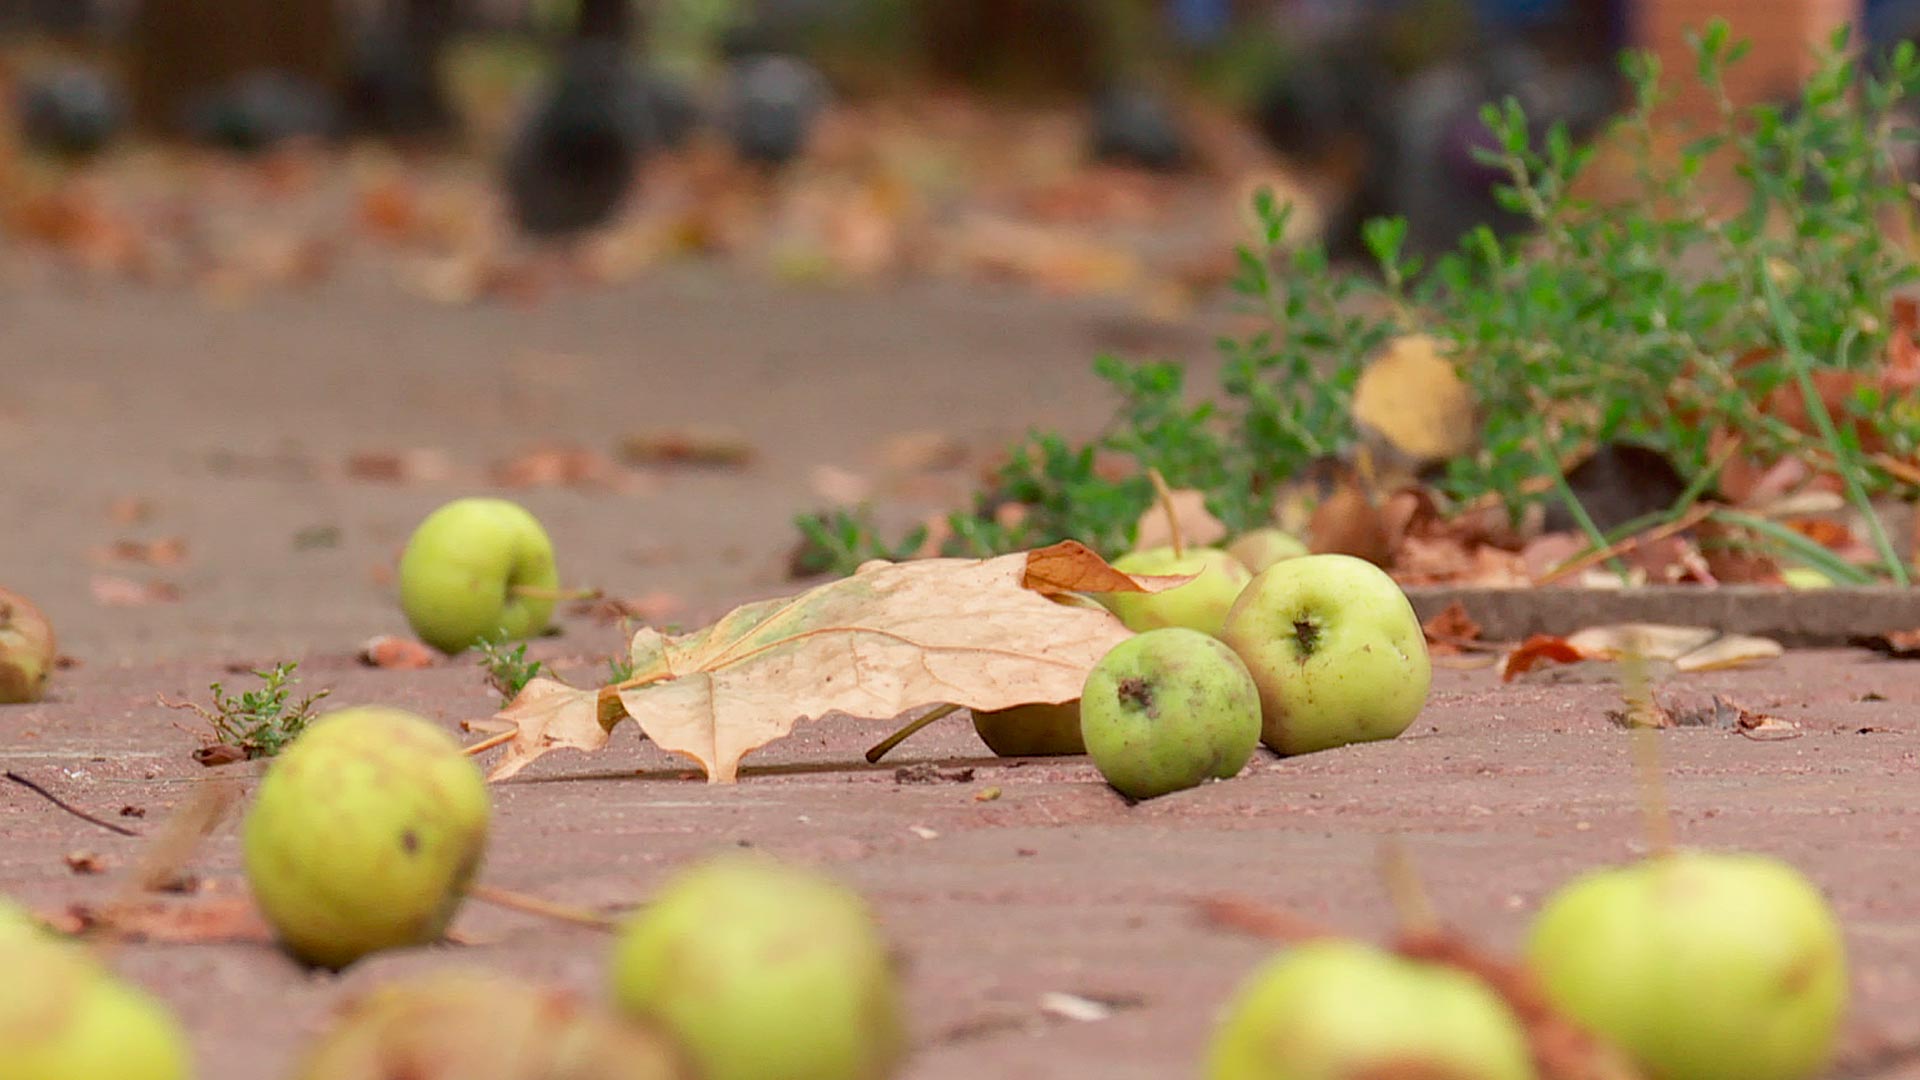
(1200, 604)
(1700, 965)
(1336, 650)
(477, 570)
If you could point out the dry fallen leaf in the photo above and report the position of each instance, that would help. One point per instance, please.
(1198, 527)
(1898, 645)
(650, 609)
(1451, 629)
(167, 551)
(688, 446)
(200, 921)
(1411, 398)
(413, 466)
(1651, 640)
(983, 634)
(396, 653)
(560, 465)
(86, 862)
(125, 592)
(1536, 650)
(922, 452)
(129, 510)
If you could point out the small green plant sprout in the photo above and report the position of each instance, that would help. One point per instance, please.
(254, 723)
(508, 671)
(838, 541)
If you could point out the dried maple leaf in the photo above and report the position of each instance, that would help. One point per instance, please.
(1536, 650)
(1451, 629)
(984, 634)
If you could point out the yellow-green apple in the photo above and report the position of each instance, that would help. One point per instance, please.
(1336, 650)
(1041, 730)
(1167, 710)
(27, 649)
(1700, 965)
(763, 970)
(1332, 1009)
(364, 835)
(1261, 548)
(1200, 604)
(63, 1017)
(477, 570)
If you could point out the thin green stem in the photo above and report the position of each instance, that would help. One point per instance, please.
(1846, 461)
(1801, 546)
(1544, 453)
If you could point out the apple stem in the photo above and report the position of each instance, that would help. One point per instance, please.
(543, 592)
(1165, 495)
(491, 741)
(1407, 891)
(546, 909)
(1655, 814)
(885, 746)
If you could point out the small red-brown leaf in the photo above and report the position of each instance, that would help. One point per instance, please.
(396, 653)
(166, 551)
(1072, 567)
(718, 447)
(199, 921)
(413, 466)
(125, 592)
(1450, 629)
(1536, 650)
(1897, 645)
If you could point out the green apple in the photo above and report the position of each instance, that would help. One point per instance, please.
(1261, 548)
(1701, 965)
(763, 972)
(27, 650)
(1336, 650)
(1200, 604)
(461, 1026)
(364, 835)
(62, 1017)
(477, 570)
(1167, 710)
(17, 922)
(1041, 730)
(1333, 1010)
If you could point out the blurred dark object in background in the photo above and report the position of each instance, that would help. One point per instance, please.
(395, 88)
(185, 56)
(1014, 46)
(1133, 125)
(772, 105)
(73, 111)
(573, 161)
(260, 110)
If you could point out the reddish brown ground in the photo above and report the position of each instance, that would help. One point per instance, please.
(1501, 792)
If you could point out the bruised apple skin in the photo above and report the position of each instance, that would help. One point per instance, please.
(461, 569)
(1336, 650)
(1200, 604)
(1700, 965)
(27, 650)
(1168, 710)
(364, 835)
(1041, 730)
(763, 971)
(1333, 1010)
(63, 1017)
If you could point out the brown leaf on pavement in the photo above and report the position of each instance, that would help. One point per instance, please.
(721, 447)
(650, 609)
(111, 591)
(1535, 651)
(560, 465)
(200, 921)
(128, 510)
(166, 551)
(922, 452)
(396, 653)
(418, 465)
(1897, 645)
(1451, 629)
(899, 636)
